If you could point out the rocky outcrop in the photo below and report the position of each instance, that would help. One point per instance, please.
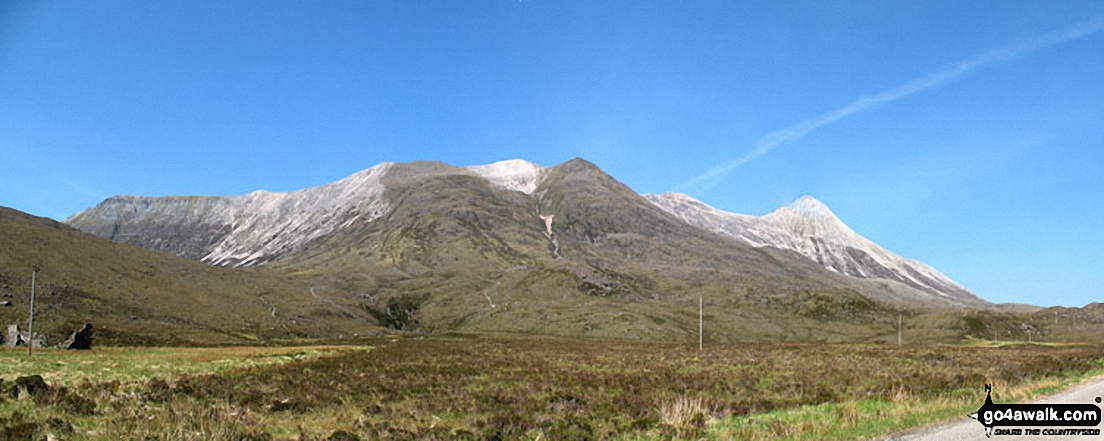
(12, 338)
(16, 337)
(81, 339)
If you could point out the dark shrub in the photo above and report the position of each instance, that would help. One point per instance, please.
(399, 311)
(68, 401)
(32, 385)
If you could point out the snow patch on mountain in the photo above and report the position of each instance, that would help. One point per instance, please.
(809, 227)
(514, 174)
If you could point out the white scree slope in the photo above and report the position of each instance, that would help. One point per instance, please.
(264, 223)
(808, 227)
(514, 174)
(253, 228)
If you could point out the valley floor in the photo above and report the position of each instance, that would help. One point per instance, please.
(511, 387)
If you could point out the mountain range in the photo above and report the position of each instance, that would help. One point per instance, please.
(560, 250)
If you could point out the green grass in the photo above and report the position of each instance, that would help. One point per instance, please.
(868, 419)
(127, 372)
(481, 387)
(71, 368)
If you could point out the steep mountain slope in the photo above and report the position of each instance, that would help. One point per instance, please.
(515, 247)
(133, 295)
(250, 229)
(808, 227)
(237, 230)
(469, 254)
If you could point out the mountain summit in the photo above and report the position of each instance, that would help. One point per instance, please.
(811, 206)
(514, 174)
(809, 227)
(566, 249)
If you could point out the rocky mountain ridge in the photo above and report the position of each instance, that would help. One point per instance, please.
(517, 247)
(810, 228)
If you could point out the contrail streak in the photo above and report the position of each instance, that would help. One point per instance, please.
(772, 140)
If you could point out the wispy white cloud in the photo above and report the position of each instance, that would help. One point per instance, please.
(770, 141)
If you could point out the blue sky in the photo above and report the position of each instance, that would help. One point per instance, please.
(963, 134)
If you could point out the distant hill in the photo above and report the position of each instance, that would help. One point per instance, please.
(138, 296)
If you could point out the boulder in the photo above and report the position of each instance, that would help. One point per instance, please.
(38, 340)
(13, 338)
(81, 339)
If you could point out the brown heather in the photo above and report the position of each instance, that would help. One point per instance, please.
(524, 387)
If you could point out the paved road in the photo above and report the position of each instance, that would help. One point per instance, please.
(967, 429)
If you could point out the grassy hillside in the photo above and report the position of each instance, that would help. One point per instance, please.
(138, 296)
(457, 253)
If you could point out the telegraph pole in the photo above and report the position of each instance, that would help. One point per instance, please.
(898, 328)
(30, 322)
(700, 327)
